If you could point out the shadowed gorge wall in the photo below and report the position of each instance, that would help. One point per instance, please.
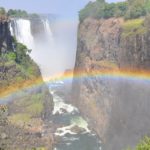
(116, 109)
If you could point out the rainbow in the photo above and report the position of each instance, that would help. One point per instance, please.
(134, 75)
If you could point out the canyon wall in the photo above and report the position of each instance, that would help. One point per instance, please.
(117, 109)
(28, 101)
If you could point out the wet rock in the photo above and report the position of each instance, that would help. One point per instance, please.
(77, 129)
(63, 110)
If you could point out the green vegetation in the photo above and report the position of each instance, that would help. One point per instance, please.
(11, 56)
(143, 145)
(133, 27)
(129, 9)
(36, 105)
(30, 107)
(20, 118)
(20, 56)
(21, 70)
(2, 11)
(21, 14)
(17, 13)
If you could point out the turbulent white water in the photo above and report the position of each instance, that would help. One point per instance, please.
(60, 106)
(69, 118)
(53, 44)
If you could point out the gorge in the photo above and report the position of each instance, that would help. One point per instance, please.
(100, 103)
(65, 122)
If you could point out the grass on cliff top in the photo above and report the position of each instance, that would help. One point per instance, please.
(133, 27)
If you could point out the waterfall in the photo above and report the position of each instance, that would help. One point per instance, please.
(11, 29)
(47, 28)
(53, 43)
(21, 28)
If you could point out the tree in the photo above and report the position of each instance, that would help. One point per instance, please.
(93, 9)
(121, 8)
(17, 13)
(109, 10)
(21, 52)
(129, 9)
(136, 9)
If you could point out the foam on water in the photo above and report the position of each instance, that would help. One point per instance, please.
(64, 130)
(60, 105)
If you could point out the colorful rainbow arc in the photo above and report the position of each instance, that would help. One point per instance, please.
(136, 75)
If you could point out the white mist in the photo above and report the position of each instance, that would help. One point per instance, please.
(55, 53)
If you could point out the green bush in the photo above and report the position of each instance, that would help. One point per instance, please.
(144, 144)
(11, 56)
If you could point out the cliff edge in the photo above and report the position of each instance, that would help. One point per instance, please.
(117, 109)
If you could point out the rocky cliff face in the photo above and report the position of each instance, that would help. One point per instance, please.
(5, 36)
(27, 98)
(116, 109)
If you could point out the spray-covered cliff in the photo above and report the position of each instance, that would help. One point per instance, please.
(117, 109)
(28, 101)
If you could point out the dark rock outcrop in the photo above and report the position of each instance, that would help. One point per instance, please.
(116, 109)
(5, 36)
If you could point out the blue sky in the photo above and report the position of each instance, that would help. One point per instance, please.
(62, 7)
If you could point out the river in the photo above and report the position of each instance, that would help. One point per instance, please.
(73, 132)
